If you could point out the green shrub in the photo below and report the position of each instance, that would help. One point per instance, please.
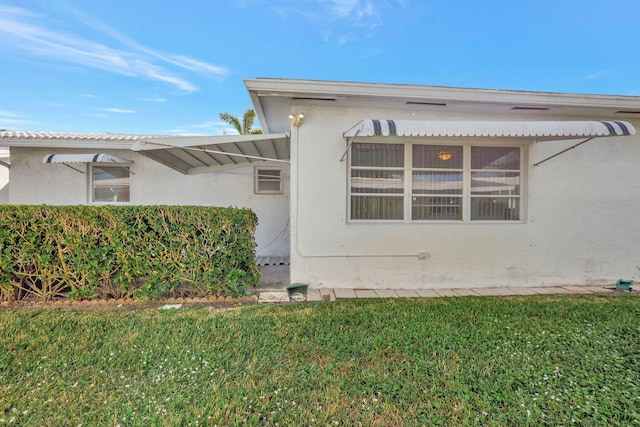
(87, 252)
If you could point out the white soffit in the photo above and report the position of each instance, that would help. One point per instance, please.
(538, 130)
(203, 154)
(84, 158)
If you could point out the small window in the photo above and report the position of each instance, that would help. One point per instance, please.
(110, 184)
(268, 181)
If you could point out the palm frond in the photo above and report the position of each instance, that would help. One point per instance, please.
(247, 120)
(244, 128)
(232, 120)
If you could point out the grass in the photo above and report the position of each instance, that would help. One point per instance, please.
(463, 361)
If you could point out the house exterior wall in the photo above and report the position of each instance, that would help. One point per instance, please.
(33, 182)
(581, 217)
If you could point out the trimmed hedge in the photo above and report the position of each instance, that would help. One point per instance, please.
(142, 252)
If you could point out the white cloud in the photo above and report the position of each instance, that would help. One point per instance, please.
(53, 104)
(4, 122)
(599, 74)
(344, 21)
(195, 65)
(209, 124)
(342, 8)
(181, 61)
(184, 132)
(340, 21)
(209, 127)
(10, 119)
(370, 54)
(118, 110)
(6, 113)
(345, 38)
(154, 99)
(25, 32)
(326, 10)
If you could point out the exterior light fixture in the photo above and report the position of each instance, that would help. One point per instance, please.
(296, 119)
(445, 155)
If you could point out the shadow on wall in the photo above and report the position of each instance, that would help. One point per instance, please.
(4, 194)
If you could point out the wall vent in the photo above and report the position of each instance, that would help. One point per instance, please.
(300, 98)
(530, 108)
(436, 104)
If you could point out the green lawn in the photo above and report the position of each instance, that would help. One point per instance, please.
(463, 361)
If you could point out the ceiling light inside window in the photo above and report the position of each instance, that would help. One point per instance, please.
(445, 155)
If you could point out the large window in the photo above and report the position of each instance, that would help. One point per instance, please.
(427, 182)
(110, 184)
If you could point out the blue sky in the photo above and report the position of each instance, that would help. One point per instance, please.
(166, 67)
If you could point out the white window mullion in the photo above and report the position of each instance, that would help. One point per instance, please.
(524, 157)
(348, 189)
(466, 187)
(408, 176)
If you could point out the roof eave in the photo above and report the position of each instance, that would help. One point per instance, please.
(60, 143)
(296, 88)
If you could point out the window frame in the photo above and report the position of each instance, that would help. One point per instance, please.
(466, 195)
(257, 180)
(91, 185)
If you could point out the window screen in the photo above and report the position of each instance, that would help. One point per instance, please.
(110, 184)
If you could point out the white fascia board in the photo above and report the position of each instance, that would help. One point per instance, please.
(257, 107)
(346, 90)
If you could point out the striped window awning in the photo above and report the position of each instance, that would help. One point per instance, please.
(84, 158)
(538, 130)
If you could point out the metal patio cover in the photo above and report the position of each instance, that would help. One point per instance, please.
(193, 155)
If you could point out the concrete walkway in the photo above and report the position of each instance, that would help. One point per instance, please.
(275, 281)
(333, 294)
(327, 294)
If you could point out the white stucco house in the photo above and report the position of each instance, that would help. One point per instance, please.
(387, 186)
